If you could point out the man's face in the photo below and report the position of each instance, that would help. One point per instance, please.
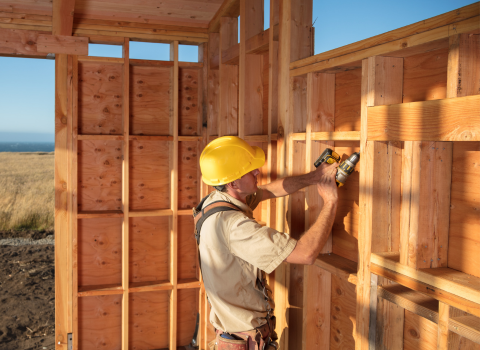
(247, 184)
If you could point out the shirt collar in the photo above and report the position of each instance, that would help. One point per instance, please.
(228, 198)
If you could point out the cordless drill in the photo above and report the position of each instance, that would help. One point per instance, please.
(345, 168)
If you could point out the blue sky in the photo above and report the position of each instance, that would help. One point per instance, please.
(27, 86)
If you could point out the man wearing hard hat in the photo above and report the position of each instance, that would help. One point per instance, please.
(236, 252)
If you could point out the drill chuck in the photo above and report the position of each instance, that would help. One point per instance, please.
(346, 168)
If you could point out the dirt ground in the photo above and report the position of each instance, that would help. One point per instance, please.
(27, 293)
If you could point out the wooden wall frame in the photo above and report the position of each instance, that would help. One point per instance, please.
(123, 161)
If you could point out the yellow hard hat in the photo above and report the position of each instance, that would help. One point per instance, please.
(227, 159)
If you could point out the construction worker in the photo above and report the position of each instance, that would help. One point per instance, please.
(236, 252)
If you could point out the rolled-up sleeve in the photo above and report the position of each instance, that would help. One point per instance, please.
(263, 247)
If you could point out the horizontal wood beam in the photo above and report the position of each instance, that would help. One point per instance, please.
(87, 291)
(339, 266)
(23, 21)
(447, 285)
(151, 212)
(418, 303)
(439, 294)
(229, 8)
(427, 307)
(328, 136)
(100, 214)
(184, 38)
(87, 23)
(451, 119)
(443, 20)
(129, 29)
(352, 57)
(62, 44)
(19, 42)
(115, 60)
(26, 16)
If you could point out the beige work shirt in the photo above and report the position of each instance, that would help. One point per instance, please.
(233, 246)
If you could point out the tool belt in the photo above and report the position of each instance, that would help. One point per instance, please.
(261, 338)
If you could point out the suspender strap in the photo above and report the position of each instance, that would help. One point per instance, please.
(200, 215)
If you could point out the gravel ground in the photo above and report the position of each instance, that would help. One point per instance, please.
(27, 241)
(27, 290)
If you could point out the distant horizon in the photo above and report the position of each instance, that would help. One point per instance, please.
(36, 137)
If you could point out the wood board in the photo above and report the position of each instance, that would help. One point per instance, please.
(150, 100)
(100, 322)
(343, 314)
(100, 98)
(99, 175)
(425, 76)
(189, 86)
(463, 243)
(347, 100)
(149, 175)
(148, 320)
(148, 249)
(99, 252)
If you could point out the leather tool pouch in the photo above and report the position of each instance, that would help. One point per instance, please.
(230, 344)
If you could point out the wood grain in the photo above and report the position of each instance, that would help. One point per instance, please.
(425, 76)
(63, 121)
(19, 42)
(390, 323)
(464, 242)
(445, 279)
(213, 93)
(100, 322)
(298, 96)
(339, 266)
(99, 252)
(192, 14)
(343, 314)
(148, 320)
(149, 176)
(149, 249)
(415, 302)
(100, 98)
(345, 226)
(187, 175)
(442, 333)
(190, 104)
(187, 310)
(419, 333)
(61, 44)
(99, 175)
(469, 74)
(228, 78)
(428, 121)
(150, 100)
(347, 100)
(187, 249)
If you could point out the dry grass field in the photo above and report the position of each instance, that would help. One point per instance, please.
(26, 190)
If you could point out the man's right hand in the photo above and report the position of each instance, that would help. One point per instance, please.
(327, 186)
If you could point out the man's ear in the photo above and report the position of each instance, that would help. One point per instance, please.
(232, 185)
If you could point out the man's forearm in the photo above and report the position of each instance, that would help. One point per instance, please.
(313, 241)
(288, 185)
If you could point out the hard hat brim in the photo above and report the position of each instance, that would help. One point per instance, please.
(257, 162)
